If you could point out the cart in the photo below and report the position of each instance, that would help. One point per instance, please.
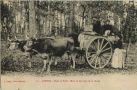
(98, 49)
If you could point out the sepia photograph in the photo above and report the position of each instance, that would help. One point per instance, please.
(68, 44)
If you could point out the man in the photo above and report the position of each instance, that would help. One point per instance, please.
(97, 26)
(106, 27)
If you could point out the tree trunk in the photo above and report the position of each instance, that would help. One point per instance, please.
(83, 19)
(44, 25)
(32, 28)
(59, 22)
(64, 22)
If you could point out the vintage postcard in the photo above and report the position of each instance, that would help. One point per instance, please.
(68, 45)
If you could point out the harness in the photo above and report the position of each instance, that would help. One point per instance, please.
(39, 54)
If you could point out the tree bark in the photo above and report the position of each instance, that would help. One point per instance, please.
(32, 27)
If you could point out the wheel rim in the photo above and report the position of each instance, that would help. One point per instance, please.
(99, 53)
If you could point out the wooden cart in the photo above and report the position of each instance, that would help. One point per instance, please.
(98, 49)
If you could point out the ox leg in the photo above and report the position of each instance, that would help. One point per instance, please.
(44, 66)
(55, 61)
(73, 64)
(48, 68)
(73, 61)
(29, 64)
(29, 61)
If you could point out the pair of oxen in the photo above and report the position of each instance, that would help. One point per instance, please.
(51, 47)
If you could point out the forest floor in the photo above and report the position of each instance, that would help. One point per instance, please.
(15, 63)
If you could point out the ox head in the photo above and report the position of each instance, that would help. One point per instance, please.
(16, 44)
(13, 44)
(29, 44)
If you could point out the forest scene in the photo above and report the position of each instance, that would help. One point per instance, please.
(39, 19)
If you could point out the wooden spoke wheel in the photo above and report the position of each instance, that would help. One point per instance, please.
(99, 52)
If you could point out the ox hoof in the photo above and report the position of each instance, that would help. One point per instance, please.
(55, 63)
(40, 71)
(72, 67)
(48, 71)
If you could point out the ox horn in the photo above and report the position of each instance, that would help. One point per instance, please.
(9, 39)
(16, 38)
(26, 36)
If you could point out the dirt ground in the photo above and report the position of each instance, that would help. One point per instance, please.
(16, 64)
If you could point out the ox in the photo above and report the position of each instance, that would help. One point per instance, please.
(50, 46)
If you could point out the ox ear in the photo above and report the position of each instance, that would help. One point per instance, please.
(35, 37)
(16, 39)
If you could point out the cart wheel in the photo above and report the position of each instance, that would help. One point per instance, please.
(99, 52)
